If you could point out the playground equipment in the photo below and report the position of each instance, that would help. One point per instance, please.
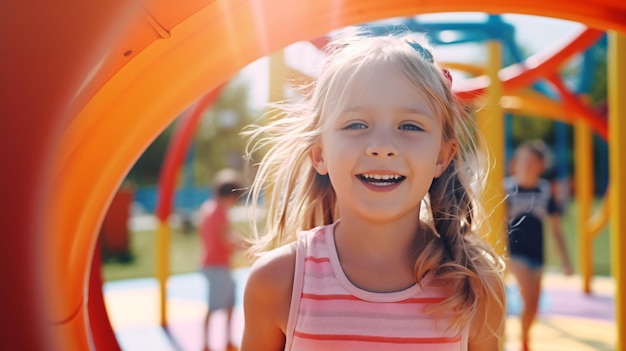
(515, 98)
(91, 84)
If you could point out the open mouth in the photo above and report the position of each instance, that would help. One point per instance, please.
(381, 180)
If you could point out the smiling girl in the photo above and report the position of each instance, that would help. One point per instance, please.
(371, 187)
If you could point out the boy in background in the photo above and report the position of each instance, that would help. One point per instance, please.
(219, 243)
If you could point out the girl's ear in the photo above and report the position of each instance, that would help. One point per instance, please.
(446, 154)
(317, 157)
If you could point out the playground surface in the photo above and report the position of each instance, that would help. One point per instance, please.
(568, 319)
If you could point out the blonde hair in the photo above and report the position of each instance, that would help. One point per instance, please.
(298, 198)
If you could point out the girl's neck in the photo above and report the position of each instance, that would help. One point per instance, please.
(377, 240)
(377, 256)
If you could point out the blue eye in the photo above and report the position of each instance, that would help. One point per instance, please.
(355, 126)
(410, 127)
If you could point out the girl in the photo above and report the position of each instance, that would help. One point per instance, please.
(379, 170)
(529, 202)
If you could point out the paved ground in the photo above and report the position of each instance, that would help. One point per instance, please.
(569, 319)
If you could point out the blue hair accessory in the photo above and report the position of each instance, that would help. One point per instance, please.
(427, 56)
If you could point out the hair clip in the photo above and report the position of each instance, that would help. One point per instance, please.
(426, 55)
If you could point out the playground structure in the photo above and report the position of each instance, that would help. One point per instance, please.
(129, 69)
(516, 98)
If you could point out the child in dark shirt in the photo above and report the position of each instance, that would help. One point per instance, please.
(529, 202)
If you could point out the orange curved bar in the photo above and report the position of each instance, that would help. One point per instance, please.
(536, 104)
(532, 69)
(597, 122)
(549, 60)
(106, 83)
(472, 69)
(320, 42)
(565, 111)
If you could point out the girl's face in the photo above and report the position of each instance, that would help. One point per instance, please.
(382, 147)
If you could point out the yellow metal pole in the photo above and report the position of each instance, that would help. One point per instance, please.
(277, 76)
(617, 175)
(583, 167)
(490, 120)
(276, 92)
(162, 267)
(491, 123)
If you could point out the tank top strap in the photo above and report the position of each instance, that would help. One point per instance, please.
(296, 293)
(303, 246)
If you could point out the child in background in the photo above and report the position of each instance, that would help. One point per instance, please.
(530, 201)
(371, 189)
(218, 243)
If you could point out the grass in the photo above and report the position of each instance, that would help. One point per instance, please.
(185, 252)
(184, 256)
(601, 249)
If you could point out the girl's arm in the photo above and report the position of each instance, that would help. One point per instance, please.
(267, 299)
(487, 326)
(559, 240)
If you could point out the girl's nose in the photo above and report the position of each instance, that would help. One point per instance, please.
(382, 150)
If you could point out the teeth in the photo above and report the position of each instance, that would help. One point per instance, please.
(382, 176)
(382, 180)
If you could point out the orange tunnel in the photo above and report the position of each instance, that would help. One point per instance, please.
(85, 86)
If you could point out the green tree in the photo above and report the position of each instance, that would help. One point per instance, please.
(531, 127)
(218, 143)
(147, 168)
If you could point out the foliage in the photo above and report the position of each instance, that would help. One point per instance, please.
(529, 127)
(217, 143)
(147, 168)
(598, 92)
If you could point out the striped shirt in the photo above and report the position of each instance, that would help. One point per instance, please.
(329, 313)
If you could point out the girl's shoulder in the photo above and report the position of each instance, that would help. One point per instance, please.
(272, 274)
(277, 267)
(487, 326)
(267, 296)
(274, 269)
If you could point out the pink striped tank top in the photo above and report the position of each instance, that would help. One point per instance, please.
(329, 313)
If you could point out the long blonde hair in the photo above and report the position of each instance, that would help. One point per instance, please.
(297, 198)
